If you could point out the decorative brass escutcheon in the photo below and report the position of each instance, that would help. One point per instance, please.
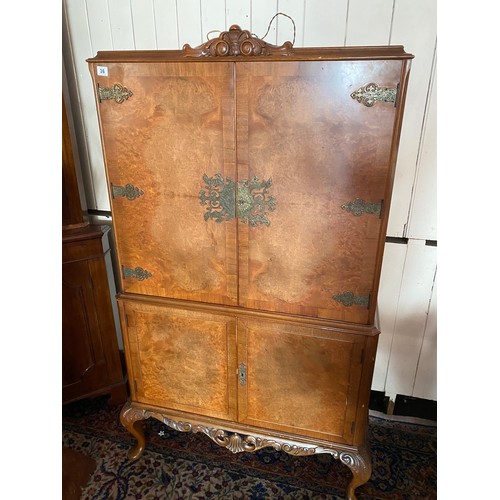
(348, 299)
(116, 93)
(129, 191)
(359, 207)
(253, 201)
(220, 198)
(248, 200)
(372, 93)
(242, 374)
(137, 273)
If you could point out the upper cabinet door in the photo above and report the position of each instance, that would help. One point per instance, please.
(314, 179)
(169, 142)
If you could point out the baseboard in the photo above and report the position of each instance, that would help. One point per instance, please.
(379, 401)
(409, 406)
(405, 406)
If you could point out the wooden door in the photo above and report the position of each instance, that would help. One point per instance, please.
(168, 136)
(299, 379)
(181, 359)
(312, 158)
(90, 355)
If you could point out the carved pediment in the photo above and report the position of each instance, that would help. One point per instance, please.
(237, 42)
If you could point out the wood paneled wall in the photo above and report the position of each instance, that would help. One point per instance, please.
(406, 359)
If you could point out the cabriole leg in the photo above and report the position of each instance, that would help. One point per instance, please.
(131, 418)
(361, 467)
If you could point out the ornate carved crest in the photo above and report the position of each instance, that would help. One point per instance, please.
(237, 42)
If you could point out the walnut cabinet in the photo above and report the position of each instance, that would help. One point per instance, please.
(250, 188)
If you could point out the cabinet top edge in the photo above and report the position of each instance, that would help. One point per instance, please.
(87, 232)
(295, 54)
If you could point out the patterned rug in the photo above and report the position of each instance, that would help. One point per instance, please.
(190, 466)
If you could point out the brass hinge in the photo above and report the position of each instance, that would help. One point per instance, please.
(372, 93)
(242, 374)
(359, 207)
(397, 95)
(117, 93)
(128, 191)
(137, 273)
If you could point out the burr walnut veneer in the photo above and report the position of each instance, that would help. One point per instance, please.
(250, 188)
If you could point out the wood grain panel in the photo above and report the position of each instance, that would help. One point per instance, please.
(322, 149)
(177, 126)
(183, 360)
(91, 361)
(299, 379)
(79, 328)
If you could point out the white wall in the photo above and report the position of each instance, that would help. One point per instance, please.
(406, 359)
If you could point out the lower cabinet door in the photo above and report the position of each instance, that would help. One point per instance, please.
(181, 359)
(299, 379)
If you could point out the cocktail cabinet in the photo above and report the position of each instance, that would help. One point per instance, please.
(250, 188)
